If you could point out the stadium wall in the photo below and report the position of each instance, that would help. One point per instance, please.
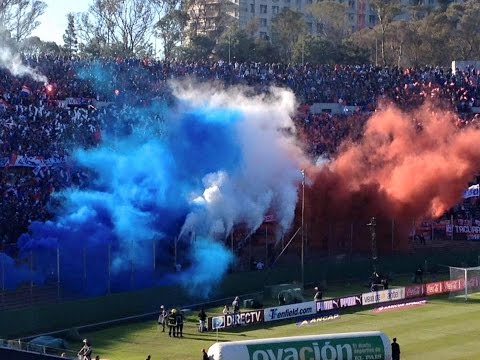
(12, 354)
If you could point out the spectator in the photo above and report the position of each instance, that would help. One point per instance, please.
(226, 310)
(395, 350)
(172, 323)
(162, 318)
(85, 353)
(202, 317)
(236, 305)
(418, 278)
(204, 355)
(318, 294)
(179, 320)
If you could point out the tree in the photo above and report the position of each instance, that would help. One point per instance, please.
(287, 28)
(435, 33)
(265, 52)
(18, 18)
(33, 46)
(332, 20)
(465, 34)
(235, 45)
(200, 47)
(171, 24)
(123, 24)
(386, 11)
(313, 50)
(70, 36)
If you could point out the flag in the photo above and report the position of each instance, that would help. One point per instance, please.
(25, 91)
(472, 191)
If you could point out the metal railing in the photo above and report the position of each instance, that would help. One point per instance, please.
(36, 348)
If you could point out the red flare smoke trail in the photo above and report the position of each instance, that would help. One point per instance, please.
(407, 166)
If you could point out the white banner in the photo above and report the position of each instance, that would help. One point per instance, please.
(290, 311)
(31, 161)
(472, 191)
(376, 297)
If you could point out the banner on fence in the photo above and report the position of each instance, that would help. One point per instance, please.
(415, 291)
(289, 311)
(241, 318)
(463, 232)
(376, 297)
(434, 288)
(30, 161)
(343, 302)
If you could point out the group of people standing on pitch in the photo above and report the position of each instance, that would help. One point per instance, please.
(173, 319)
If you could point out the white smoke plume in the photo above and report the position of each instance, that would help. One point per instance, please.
(13, 63)
(268, 179)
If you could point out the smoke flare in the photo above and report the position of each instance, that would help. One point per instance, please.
(218, 159)
(407, 166)
(13, 63)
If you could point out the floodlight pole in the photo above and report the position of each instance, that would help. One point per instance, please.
(372, 225)
(302, 232)
(3, 271)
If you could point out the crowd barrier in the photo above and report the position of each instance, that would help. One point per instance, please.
(311, 308)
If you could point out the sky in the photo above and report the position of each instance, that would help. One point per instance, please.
(54, 20)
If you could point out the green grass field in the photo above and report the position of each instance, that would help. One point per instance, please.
(441, 329)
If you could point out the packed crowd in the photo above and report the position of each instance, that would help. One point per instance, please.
(41, 123)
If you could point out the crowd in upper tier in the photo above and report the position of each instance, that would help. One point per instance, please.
(40, 123)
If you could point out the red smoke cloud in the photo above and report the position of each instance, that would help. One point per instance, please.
(406, 166)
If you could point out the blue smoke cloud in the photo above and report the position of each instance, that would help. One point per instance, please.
(189, 171)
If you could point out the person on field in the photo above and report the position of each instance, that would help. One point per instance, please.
(202, 317)
(204, 355)
(395, 350)
(162, 318)
(179, 320)
(418, 277)
(85, 353)
(172, 323)
(226, 310)
(236, 305)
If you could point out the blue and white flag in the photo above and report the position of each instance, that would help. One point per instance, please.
(472, 191)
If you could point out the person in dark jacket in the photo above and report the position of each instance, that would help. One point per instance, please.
(202, 317)
(204, 355)
(395, 350)
(172, 322)
(179, 319)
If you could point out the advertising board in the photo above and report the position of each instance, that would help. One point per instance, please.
(434, 288)
(241, 318)
(289, 311)
(376, 297)
(415, 291)
(349, 346)
(337, 303)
